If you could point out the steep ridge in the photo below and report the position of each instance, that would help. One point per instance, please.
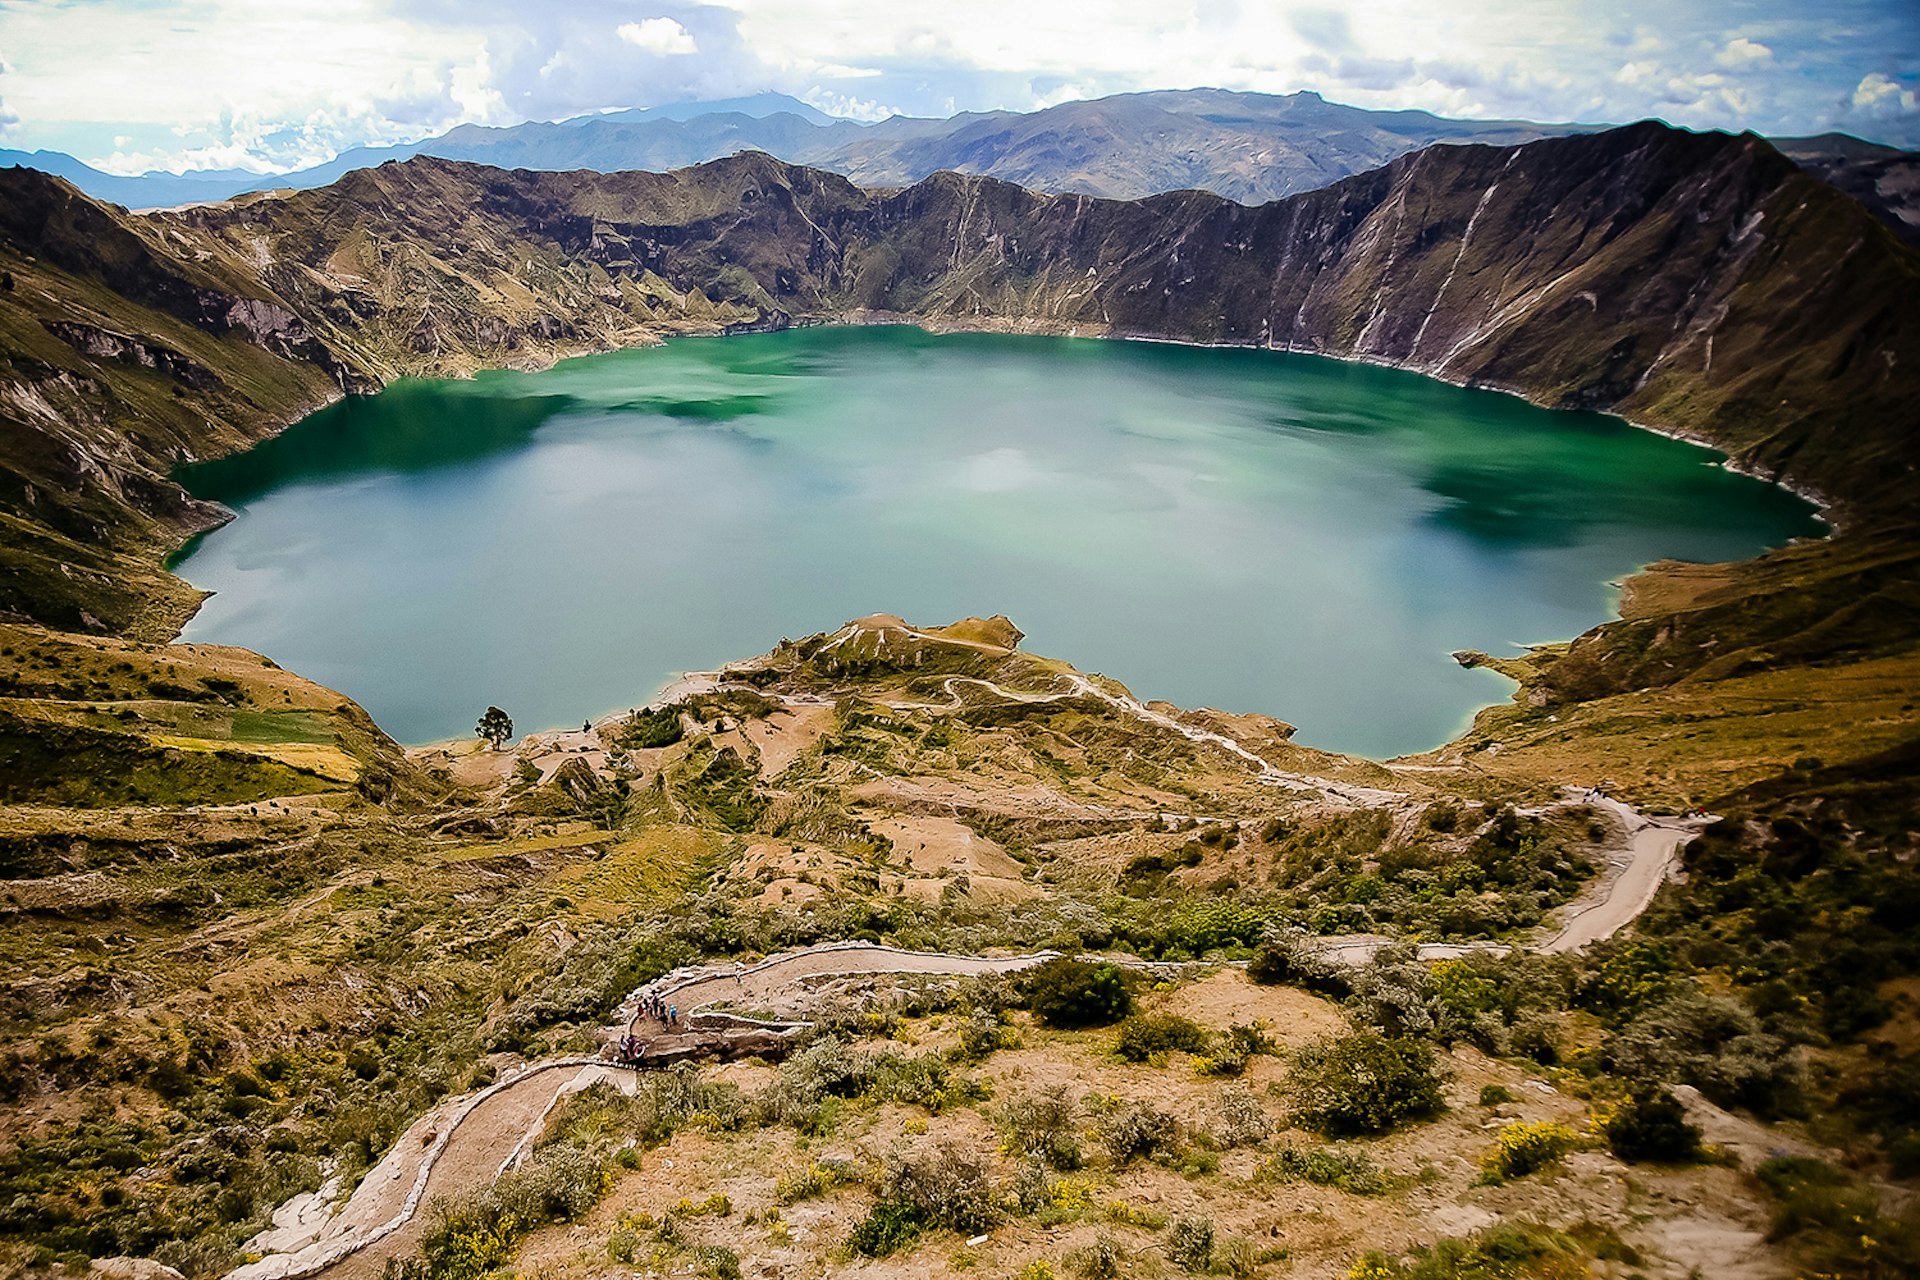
(1884, 179)
(1614, 271)
(1697, 282)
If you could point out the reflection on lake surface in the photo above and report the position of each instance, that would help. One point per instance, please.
(1241, 529)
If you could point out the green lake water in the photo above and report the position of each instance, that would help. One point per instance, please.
(1239, 529)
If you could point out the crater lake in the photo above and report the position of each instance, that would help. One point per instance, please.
(1242, 529)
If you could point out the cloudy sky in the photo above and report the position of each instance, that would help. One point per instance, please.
(278, 84)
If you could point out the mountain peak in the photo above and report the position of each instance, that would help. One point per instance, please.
(759, 106)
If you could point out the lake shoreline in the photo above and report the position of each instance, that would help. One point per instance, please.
(1069, 648)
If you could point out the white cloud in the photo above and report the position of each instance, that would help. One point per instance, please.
(286, 82)
(662, 36)
(1878, 94)
(848, 107)
(1741, 52)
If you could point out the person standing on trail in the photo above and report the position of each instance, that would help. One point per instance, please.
(673, 1015)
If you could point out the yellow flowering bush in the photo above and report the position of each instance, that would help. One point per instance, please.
(1524, 1148)
(1070, 1194)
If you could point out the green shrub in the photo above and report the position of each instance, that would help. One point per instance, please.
(1713, 1043)
(1070, 993)
(1137, 1130)
(946, 1186)
(1190, 1244)
(1230, 1055)
(1242, 1258)
(1494, 1095)
(716, 1262)
(1100, 1259)
(1838, 1225)
(925, 1080)
(1652, 1126)
(1362, 1084)
(816, 1179)
(1342, 1168)
(1628, 975)
(1145, 1034)
(1282, 958)
(1507, 1252)
(983, 1033)
(1042, 1125)
(890, 1225)
(1240, 1119)
(943, 1187)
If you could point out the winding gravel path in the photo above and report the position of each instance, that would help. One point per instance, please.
(1653, 847)
(464, 1144)
(690, 990)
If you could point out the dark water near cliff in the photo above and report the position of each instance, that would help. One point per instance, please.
(1240, 529)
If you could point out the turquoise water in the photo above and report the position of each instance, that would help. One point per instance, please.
(1240, 529)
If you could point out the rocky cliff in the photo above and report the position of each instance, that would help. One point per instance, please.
(1699, 283)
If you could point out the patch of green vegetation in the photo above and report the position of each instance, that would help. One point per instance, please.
(718, 784)
(1526, 1147)
(1651, 1127)
(1042, 1126)
(473, 1237)
(1802, 902)
(281, 726)
(1510, 1251)
(650, 727)
(1363, 1083)
(1147, 873)
(1144, 1035)
(1070, 993)
(1348, 1169)
(942, 1187)
(1836, 1224)
(42, 762)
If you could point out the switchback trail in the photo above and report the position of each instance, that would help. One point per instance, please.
(463, 1144)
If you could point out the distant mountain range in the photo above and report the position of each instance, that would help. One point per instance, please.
(1885, 179)
(1249, 147)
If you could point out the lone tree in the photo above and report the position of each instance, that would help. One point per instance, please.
(496, 727)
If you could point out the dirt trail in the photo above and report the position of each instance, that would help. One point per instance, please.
(1263, 771)
(1636, 869)
(1080, 686)
(690, 991)
(459, 1146)
(465, 1144)
(1653, 851)
(475, 1151)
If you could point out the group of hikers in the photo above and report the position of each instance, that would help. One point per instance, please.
(633, 1048)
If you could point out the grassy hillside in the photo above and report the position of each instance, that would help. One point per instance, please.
(252, 941)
